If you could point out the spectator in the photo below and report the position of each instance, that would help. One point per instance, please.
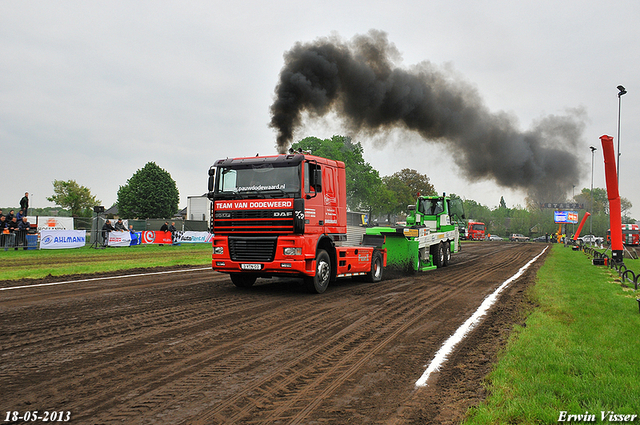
(13, 229)
(3, 230)
(134, 236)
(23, 228)
(172, 229)
(165, 227)
(13, 225)
(10, 216)
(1, 215)
(105, 232)
(21, 214)
(119, 227)
(24, 203)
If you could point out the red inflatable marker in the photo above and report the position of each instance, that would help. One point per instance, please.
(584, 220)
(615, 214)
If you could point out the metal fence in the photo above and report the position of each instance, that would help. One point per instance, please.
(19, 239)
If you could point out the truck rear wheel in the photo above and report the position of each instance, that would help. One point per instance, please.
(375, 274)
(318, 283)
(242, 280)
(447, 253)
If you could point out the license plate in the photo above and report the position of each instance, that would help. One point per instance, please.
(251, 266)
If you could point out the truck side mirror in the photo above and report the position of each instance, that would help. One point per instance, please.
(411, 207)
(212, 173)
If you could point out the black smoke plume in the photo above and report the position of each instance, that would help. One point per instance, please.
(360, 82)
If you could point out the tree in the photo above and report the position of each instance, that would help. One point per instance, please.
(363, 181)
(69, 194)
(403, 188)
(503, 204)
(416, 182)
(149, 193)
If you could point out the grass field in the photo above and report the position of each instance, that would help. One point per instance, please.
(40, 263)
(578, 353)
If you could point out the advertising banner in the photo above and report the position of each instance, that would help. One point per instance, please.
(156, 237)
(119, 239)
(62, 239)
(570, 217)
(193, 237)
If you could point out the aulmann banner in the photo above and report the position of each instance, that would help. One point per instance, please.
(62, 239)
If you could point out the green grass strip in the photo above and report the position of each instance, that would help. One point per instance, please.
(579, 351)
(56, 262)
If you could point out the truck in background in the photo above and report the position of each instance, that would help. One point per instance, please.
(475, 231)
(199, 208)
(630, 234)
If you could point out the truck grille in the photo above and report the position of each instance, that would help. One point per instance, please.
(252, 222)
(252, 248)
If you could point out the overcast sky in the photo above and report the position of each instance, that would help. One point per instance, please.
(92, 91)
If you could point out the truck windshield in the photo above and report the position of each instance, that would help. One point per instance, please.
(259, 181)
(431, 206)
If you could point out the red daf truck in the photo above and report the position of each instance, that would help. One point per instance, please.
(286, 215)
(476, 231)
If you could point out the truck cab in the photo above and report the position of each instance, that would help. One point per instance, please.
(284, 215)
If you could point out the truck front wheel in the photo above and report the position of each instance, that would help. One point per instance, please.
(242, 280)
(438, 255)
(318, 283)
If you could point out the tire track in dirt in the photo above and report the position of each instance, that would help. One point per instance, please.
(295, 377)
(198, 350)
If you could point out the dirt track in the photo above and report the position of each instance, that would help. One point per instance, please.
(188, 347)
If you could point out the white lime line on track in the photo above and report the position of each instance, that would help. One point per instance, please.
(466, 327)
(103, 278)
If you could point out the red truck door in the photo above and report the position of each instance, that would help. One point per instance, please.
(314, 207)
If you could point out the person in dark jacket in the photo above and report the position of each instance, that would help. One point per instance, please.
(13, 225)
(173, 230)
(165, 227)
(24, 203)
(120, 227)
(13, 230)
(23, 228)
(106, 228)
(3, 229)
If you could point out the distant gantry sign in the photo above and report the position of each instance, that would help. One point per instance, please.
(562, 205)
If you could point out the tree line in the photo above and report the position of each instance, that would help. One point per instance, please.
(149, 193)
(152, 193)
(386, 198)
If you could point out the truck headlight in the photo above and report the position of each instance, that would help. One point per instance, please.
(218, 250)
(292, 251)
